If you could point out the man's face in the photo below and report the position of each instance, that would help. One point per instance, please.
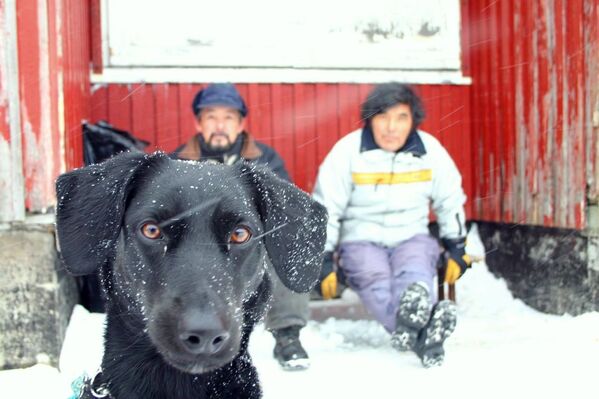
(220, 126)
(392, 127)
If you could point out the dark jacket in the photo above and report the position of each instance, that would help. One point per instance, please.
(251, 150)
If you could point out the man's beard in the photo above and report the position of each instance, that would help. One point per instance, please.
(219, 147)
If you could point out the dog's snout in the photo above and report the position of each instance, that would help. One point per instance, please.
(202, 334)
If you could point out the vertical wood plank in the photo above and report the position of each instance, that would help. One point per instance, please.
(252, 99)
(495, 112)
(12, 199)
(305, 137)
(119, 106)
(143, 114)
(95, 21)
(326, 119)
(507, 110)
(187, 127)
(520, 145)
(282, 124)
(348, 109)
(99, 103)
(576, 68)
(167, 107)
(265, 114)
(546, 137)
(73, 32)
(591, 123)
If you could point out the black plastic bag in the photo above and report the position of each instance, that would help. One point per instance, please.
(102, 140)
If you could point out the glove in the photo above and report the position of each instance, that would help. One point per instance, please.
(327, 283)
(457, 260)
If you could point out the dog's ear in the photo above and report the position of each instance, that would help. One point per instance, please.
(295, 227)
(90, 208)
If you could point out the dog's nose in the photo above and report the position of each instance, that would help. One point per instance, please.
(204, 342)
(202, 334)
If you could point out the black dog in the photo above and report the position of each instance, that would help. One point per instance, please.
(181, 248)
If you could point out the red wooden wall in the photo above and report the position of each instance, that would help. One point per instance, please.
(535, 72)
(522, 134)
(301, 121)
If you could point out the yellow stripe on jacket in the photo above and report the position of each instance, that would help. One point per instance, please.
(393, 178)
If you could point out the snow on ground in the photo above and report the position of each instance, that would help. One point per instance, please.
(501, 348)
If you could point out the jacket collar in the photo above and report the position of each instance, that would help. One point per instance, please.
(192, 149)
(413, 145)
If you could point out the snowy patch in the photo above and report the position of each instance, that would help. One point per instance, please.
(501, 349)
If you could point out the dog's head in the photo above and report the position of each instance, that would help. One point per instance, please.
(185, 243)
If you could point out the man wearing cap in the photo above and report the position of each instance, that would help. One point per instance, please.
(220, 113)
(378, 184)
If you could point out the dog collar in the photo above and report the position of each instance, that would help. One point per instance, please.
(84, 387)
(99, 388)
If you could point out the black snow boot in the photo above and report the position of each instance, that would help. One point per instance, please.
(413, 313)
(441, 325)
(289, 350)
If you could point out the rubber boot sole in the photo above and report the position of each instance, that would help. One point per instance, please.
(412, 315)
(440, 326)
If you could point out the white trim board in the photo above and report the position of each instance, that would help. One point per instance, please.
(273, 75)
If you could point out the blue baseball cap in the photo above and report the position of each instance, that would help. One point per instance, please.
(223, 94)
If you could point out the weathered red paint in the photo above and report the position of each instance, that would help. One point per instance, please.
(7, 183)
(530, 62)
(38, 88)
(31, 93)
(4, 121)
(591, 92)
(95, 23)
(506, 101)
(75, 76)
(53, 83)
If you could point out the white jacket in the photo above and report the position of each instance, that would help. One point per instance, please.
(385, 197)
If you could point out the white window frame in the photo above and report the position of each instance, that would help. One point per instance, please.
(349, 52)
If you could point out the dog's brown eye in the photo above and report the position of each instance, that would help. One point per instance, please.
(240, 235)
(151, 231)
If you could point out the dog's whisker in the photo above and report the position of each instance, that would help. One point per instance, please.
(126, 313)
(136, 339)
(188, 212)
(270, 231)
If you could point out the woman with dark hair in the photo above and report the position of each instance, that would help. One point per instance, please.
(378, 184)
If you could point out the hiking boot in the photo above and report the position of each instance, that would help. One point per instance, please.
(289, 351)
(412, 315)
(441, 325)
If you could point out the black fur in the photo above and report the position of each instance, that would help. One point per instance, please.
(181, 306)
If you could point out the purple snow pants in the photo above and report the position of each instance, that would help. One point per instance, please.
(379, 275)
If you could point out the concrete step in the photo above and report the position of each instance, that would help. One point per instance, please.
(348, 306)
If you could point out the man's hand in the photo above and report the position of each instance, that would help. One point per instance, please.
(457, 260)
(327, 283)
